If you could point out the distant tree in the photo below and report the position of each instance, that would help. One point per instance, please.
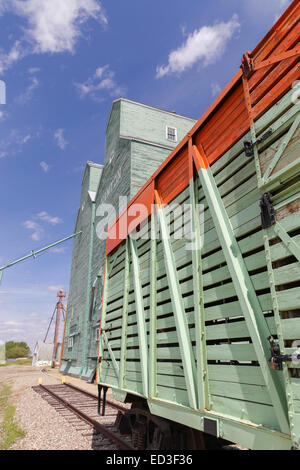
(15, 350)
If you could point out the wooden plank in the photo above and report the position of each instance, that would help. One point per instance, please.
(253, 393)
(287, 274)
(231, 352)
(295, 385)
(291, 328)
(233, 373)
(173, 395)
(289, 299)
(254, 412)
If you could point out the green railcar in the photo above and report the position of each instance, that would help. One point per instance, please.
(200, 324)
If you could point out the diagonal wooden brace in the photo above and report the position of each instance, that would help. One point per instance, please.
(245, 291)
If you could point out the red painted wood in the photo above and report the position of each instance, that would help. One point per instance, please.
(227, 119)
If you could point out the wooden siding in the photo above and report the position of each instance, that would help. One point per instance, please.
(236, 385)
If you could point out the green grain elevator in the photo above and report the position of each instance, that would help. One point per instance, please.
(138, 139)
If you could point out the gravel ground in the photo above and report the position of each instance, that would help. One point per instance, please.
(45, 428)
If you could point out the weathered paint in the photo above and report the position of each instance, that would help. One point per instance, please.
(136, 145)
(255, 407)
(79, 283)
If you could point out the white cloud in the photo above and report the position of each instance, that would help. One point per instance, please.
(206, 44)
(33, 315)
(13, 143)
(33, 70)
(45, 217)
(102, 80)
(52, 26)
(57, 249)
(55, 288)
(27, 95)
(215, 89)
(283, 4)
(12, 323)
(2, 115)
(60, 140)
(45, 166)
(16, 53)
(36, 228)
(26, 138)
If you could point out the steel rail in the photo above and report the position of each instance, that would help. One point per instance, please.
(120, 408)
(92, 422)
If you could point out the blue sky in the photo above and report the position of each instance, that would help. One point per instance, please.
(63, 62)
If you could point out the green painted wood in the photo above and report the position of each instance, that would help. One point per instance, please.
(251, 393)
(235, 430)
(295, 385)
(186, 353)
(238, 391)
(288, 241)
(289, 299)
(290, 328)
(153, 311)
(143, 352)
(223, 352)
(253, 412)
(124, 318)
(245, 291)
(238, 374)
(281, 251)
(227, 290)
(283, 145)
(174, 395)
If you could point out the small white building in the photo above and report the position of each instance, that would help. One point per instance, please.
(2, 353)
(42, 354)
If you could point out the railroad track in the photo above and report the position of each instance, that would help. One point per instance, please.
(79, 408)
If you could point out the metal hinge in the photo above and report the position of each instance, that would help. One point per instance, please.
(249, 146)
(277, 358)
(267, 211)
(247, 65)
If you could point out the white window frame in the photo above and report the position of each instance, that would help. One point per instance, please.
(167, 137)
(70, 342)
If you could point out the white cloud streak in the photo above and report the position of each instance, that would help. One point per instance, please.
(60, 140)
(45, 166)
(103, 80)
(55, 288)
(45, 217)
(215, 89)
(36, 228)
(14, 143)
(28, 93)
(17, 52)
(206, 44)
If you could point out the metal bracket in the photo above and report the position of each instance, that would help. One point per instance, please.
(247, 65)
(267, 211)
(249, 146)
(277, 358)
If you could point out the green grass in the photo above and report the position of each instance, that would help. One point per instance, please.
(18, 362)
(10, 431)
(23, 362)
